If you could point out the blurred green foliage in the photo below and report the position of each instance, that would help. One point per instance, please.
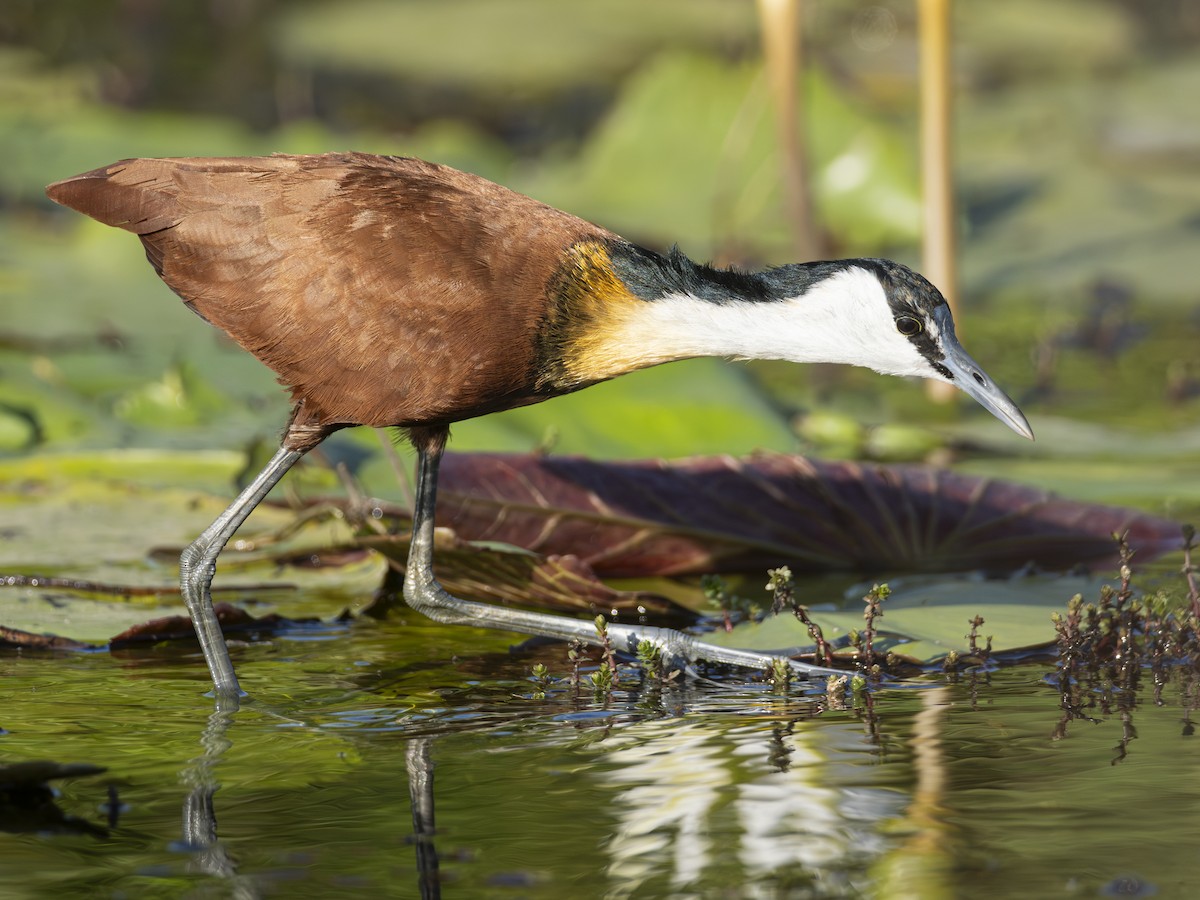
(688, 155)
(529, 48)
(654, 120)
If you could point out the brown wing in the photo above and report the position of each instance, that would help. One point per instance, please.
(382, 291)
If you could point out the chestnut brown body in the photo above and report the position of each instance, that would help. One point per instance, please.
(381, 290)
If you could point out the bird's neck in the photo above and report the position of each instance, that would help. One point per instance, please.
(614, 315)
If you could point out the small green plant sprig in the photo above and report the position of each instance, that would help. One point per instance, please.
(605, 676)
(575, 657)
(732, 606)
(541, 680)
(650, 658)
(780, 673)
(864, 641)
(783, 592)
(984, 653)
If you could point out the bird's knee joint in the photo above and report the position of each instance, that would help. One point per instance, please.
(194, 562)
(190, 557)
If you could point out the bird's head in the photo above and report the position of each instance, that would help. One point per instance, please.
(625, 308)
(884, 316)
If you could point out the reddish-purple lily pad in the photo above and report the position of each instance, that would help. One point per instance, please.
(720, 514)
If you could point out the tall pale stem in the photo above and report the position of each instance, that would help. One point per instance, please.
(937, 163)
(782, 52)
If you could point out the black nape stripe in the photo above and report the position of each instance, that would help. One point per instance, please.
(651, 276)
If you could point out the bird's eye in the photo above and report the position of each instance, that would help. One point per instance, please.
(908, 326)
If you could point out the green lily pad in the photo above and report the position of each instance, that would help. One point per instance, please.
(694, 407)
(701, 122)
(926, 618)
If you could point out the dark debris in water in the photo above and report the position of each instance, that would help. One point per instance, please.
(15, 639)
(179, 628)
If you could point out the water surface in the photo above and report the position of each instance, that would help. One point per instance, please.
(717, 787)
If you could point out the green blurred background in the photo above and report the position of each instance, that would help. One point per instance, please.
(1077, 145)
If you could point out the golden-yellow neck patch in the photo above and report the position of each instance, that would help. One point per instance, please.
(591, 316)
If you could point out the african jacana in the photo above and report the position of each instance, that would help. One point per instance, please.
(393, 292)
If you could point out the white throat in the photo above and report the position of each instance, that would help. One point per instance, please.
(842, 319)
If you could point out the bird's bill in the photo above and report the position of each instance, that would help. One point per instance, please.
(970, 378)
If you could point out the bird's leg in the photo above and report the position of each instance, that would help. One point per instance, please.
(198, 564)
(423, 593)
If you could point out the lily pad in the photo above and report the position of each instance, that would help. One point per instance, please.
(925, 619)
(725, 514)
(692, 120)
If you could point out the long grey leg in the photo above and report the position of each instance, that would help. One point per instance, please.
(198, 564)
(423, 593)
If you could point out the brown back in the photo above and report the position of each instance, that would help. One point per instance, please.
(381, 290)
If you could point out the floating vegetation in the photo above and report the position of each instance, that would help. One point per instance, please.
(1106, 648)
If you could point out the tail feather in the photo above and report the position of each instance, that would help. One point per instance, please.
(121, 196)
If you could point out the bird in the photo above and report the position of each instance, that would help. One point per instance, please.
(398, 293)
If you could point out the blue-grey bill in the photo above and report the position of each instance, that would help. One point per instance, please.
(970, 378)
